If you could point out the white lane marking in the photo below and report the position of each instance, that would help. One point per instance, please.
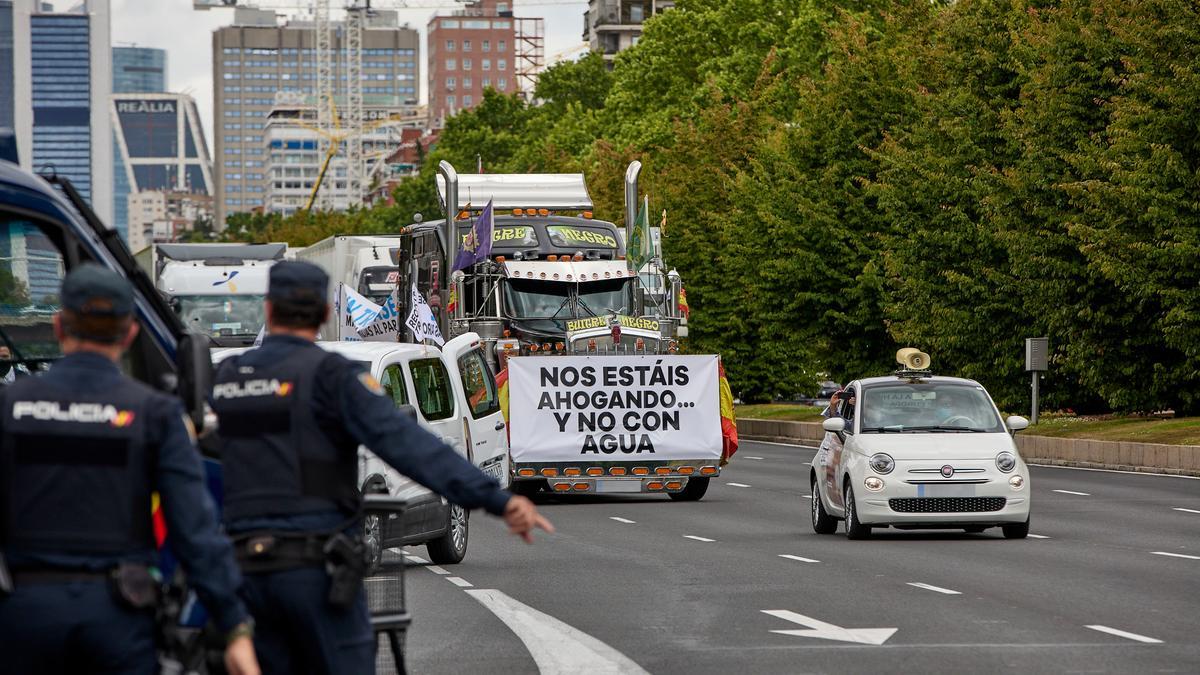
(1084, 468)
(623, 520)
(437, 570)
(1125, 634)
(692, 536)
(556, 647)
(1072, 492)
(417, 559)
(1176, 555)
(460, 582)
(935, 589)
(1186, 510)
(786, 445)
(1038, 536)
(808, 463)
(806, 496)
(750, 457)
(796, 557)
(828, 631)
(737, 485)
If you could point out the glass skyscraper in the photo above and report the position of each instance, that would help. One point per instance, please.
(6, 63)
(62, 79)
(136, 70)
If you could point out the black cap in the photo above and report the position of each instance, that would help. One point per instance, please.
(297, 281)
(98, 291)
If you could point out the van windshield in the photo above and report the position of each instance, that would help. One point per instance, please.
(928, 407)
(221, 315)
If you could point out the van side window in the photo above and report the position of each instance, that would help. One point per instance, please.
(393, 384)
(478, 384)
(435, 397)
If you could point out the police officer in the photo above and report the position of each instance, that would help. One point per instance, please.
(291, 417)
(82, 448)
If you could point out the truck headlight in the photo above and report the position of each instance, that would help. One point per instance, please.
(882, 463)
(873, 483)
(1006, 461)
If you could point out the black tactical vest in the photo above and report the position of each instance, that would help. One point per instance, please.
(77, 472)
(277, 459)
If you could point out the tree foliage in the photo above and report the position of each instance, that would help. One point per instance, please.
(842, 178)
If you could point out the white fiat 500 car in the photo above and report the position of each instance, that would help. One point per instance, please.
(917, 451)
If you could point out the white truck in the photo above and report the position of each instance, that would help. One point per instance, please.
(366, 264)
(216, 289)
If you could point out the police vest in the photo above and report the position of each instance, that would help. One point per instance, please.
(77, 470)
(277, 459)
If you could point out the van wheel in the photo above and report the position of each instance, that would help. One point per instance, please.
(1016, 530)
(451, 547)
(854, 528)
(373, 541)
(692, 492)
(822, 522)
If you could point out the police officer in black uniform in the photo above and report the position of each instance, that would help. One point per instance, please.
(82, 448)
(291, 417)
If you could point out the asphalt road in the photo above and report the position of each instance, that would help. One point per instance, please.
(645, 584)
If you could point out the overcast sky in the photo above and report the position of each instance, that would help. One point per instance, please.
(186, 34)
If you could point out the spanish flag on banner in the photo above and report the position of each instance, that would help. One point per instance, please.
(683, 306)
(729, 436)
(453, 302)
(502, 394)
(156, 516)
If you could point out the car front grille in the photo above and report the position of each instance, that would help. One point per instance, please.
(947, 504)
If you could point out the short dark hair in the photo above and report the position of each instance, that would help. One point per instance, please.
(303, 309)
(102, 328)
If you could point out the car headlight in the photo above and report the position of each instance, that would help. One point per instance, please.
(1017, 482)
(882, 463)
(873, 483)
(1006, 461)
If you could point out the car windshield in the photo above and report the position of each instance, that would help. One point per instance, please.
(928, 407)
(221, 315)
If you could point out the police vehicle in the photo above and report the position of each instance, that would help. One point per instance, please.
(453, 394)
(919, 451)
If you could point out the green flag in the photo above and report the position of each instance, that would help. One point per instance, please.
(641, 248)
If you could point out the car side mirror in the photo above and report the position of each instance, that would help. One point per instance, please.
(1016, 423)
(195, 376)
(834, 425)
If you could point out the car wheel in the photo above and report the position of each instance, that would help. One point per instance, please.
(974, 529)
(822, 522)
(692, 492)
(1016, 530)
(373, 541)
(451, 548)
(854, 529)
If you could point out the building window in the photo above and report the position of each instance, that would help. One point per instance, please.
(487, 45)
(487, 82)
(449, 45)
(467, 83)
(502, 84)
(487, 64)
(501, 46)
(501, 64)
(450, 23)
(468, 100)
(501, 7)
(466, 64)
(637, 13)
(451, 64)
(450, 83)
(451, 102)
(466, 45)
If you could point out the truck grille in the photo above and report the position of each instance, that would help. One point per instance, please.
(947, 504)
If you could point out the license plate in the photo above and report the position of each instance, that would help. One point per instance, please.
(952, 490)
(611, 486)
(495, 470)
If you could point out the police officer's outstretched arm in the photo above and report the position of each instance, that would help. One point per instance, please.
(375, 422)
(191, 517)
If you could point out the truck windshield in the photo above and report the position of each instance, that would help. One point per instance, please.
(547, 305)
(928, 407)
(221, 315)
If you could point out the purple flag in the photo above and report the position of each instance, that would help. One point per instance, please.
(477, 246)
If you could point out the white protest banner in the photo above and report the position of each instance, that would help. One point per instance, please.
(606, 408)
(420, 319)
(357, 312)
(386, 326)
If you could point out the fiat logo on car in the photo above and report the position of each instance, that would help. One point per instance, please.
(947, 471)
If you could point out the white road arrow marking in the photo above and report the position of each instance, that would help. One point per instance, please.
(556, 647)
(828, 631)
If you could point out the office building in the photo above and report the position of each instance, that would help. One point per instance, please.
(294, 161)
(62, 67)
(6, 63)
(482, 46)
(610, 26)
(164, 216)
(255, 58)
(136, 70)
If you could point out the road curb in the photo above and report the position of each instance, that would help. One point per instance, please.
(1175, 460)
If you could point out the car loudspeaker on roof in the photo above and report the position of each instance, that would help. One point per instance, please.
(912, 359)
